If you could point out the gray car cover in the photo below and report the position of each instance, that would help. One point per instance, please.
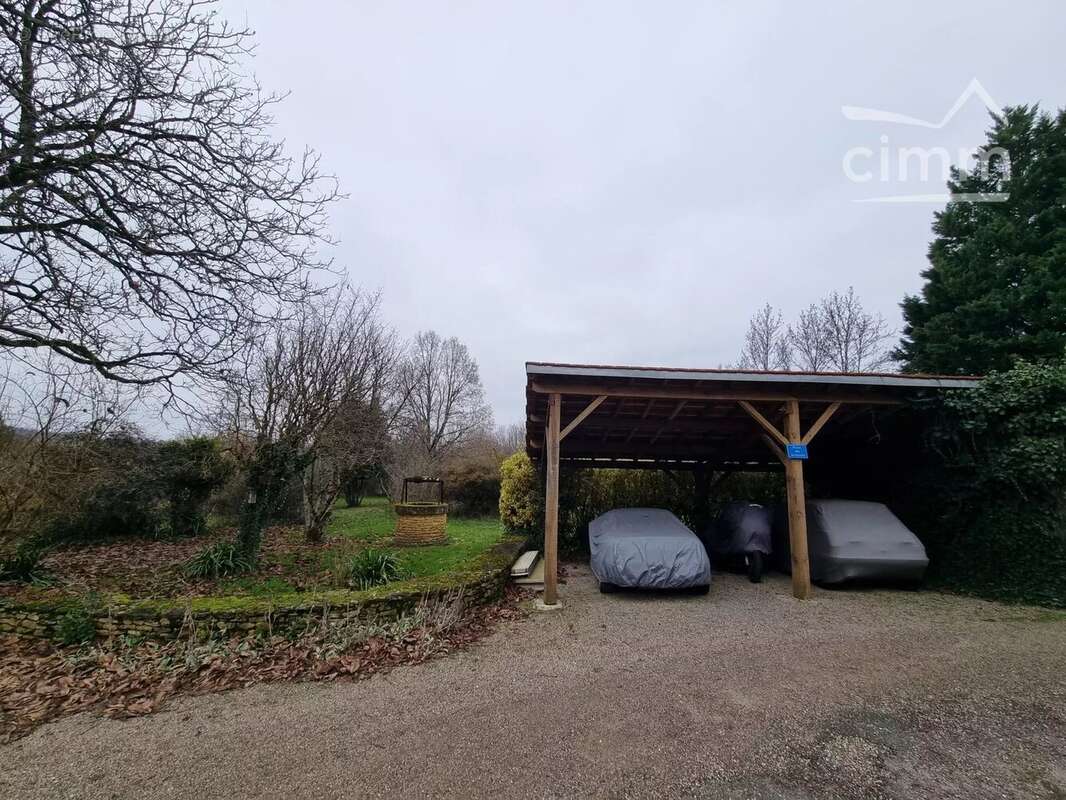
(647, 548)
(854, 540)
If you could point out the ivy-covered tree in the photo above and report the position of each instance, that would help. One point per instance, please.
(189, 470)
(995, 287)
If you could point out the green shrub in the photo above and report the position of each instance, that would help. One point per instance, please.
(478, 497)
(220, 559)
(521, 496)
(360, 481)
(189, 471)
(584, 494)
(141, 488)
(24, 565)
(472, 482)
(121, 509)
(124, 498)
(76, 627)
(366, 569)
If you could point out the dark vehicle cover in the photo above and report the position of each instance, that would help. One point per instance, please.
(742, 528)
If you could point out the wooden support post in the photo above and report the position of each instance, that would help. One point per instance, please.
(797, 508)
(551, 504)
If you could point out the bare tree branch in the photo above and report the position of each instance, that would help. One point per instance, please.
(446, 403)
(765, 345)
(809, 341)
(52, 417)
(857, 340)
(286, 406)
(147, 221)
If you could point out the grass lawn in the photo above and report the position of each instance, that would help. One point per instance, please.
(373, 523)
(288, 563)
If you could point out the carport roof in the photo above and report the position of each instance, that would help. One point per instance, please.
(665, 417)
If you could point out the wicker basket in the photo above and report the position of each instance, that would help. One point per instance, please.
(421, 523)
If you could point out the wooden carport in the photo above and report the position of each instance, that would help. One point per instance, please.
(682, 419)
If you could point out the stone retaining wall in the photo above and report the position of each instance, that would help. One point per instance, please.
(289, 613)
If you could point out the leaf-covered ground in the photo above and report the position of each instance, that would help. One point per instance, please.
(142, 568)
(40, 681)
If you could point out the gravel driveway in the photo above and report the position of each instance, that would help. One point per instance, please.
(743, 693)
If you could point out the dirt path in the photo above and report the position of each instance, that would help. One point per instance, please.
(744, 693)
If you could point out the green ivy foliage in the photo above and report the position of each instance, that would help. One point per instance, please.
(190, 470)
(994, 519)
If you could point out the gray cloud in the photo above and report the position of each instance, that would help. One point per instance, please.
(625, 182)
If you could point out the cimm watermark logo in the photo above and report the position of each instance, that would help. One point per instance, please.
(897, 168)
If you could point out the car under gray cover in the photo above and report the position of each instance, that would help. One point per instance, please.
(854, 540)
(647, 548)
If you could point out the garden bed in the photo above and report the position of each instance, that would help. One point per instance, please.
(138, 588)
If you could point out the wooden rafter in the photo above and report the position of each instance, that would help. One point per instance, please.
(580, 417)
(777, 451)
(647, 408)
(665, 425)
(819, 423)
(619, 402)
(764, 422)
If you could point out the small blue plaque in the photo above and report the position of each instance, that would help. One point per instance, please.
(797, 452)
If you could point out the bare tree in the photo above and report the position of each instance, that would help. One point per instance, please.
(446, 402)
(290, 391)
(510, 438)
(856, 340)
(809, 340)
(837, 334)
(766, 346)
(358, 436)
(147, 221)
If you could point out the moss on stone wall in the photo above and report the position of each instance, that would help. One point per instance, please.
(116, 615)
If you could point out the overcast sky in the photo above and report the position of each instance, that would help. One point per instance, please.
(624, 183)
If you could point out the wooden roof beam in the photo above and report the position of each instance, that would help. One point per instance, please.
(668, 393)
(647, 408)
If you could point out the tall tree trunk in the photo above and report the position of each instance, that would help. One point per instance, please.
(321, 487)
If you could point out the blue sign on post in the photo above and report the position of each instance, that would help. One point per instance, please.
(796, 452)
